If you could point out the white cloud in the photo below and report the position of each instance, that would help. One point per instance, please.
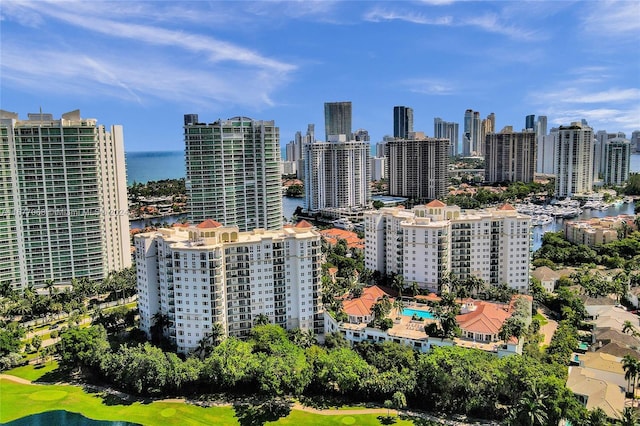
(488, 22)
(217, 50)
(429, 86)
(140, 79)
(378, 15)
(612, 17)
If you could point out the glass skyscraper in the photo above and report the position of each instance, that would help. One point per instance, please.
(233, 173)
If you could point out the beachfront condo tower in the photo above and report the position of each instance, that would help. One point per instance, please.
(233, 172)
(63, 192)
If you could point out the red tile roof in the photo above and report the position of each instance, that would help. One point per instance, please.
(209, 223)
(334, 234)
(432, 297)
(436, 203)
(303, 224)
(506, 207)
(363, 304)
(486, 319)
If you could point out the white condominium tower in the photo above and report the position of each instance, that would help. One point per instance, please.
(233, 172)
(510, 156)
(64, 193)
(447, 130)
(574, 160)
(429, 241)
(617, 159)
(208, 273)
(418, 167)
(337, 175)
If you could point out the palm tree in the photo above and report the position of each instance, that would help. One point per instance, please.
(415, 288)
(531, 410)
(629, 417)
(261, 319)
(597, 417)
(398, 284)
(50, 286)
(636, 222)
(631, 367)
(628, 326)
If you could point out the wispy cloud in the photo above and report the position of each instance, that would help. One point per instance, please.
(179, 65)
(379, 15)
(138, 79)
(429, 86)
(578, 95)
(612, 17)
(489, 22)
(603, 103)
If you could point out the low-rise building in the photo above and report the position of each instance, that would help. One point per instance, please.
(480, 323)
(196, 276)
(547, 277)
(595, 231)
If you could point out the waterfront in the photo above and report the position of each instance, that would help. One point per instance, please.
(145, 166)
(558, 223)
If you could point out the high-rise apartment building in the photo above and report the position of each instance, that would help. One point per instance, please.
(208, 273)
(487, 126)
(635, 140)
(418, 167)
(337, 176)
(361, 135)
(447, 130)
(378, 168)
(510, 156)
(295, 149)
(402, 121)
(337, 119)
(601, 139)
(541, 126)
(472, 136)
(63, 189)
(529, 122)
(574, 160)
(430, 241)
(617, 158)
(233, 173)
(545, 156)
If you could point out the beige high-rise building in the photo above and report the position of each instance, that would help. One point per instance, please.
(574, 160)
(510, 156)
(63, 193)
(428, 242)
(208, 273)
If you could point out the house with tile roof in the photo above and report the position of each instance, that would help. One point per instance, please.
(359, 309)
(547, 277)
(480, 322)
(595, 392)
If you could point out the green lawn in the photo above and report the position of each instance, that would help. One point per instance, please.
(33, 372)
(19, 400)
(542, 319)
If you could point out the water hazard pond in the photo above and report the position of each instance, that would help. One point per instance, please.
(61, 417)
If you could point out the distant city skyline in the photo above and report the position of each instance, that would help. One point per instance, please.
(144, 65)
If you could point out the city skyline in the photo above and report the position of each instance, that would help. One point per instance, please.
(141, 62)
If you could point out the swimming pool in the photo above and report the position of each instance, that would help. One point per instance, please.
(421, 314)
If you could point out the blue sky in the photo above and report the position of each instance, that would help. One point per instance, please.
(145, 64)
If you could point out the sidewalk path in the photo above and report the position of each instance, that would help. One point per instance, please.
(548, 329)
